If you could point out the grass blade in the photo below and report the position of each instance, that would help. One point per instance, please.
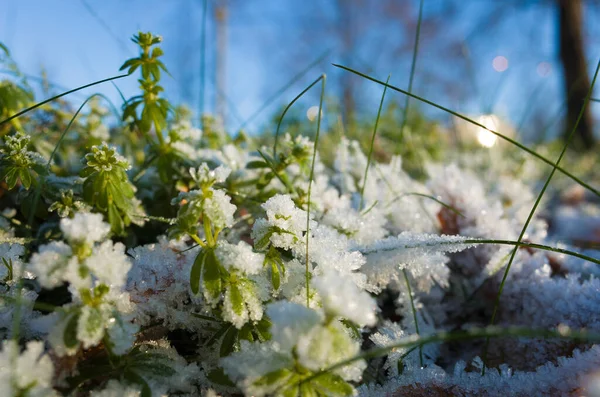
(414, 313)
(310, 179)
(473, 333)
(37, 105)
(465, 118)
(362, 190)
(287, 108)
(412, 69)
(280, 91)
(440, 202)
(38, 189)
(535, 205)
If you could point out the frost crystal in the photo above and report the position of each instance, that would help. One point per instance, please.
(250, 307)
(290, 321)
(239, 257)
(421, 254)
(341, 297)
(29, 373)
(284, 226)
(329, 344)
(85, 228)
(50, 262)
(219, 210)
(204, 176)
(109, 264)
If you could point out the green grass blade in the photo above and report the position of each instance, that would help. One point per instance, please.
(535, 246)
(440, 202)
(119, 91)
(412, 69)
(310, 178)
(37, 105)
(414, 313)
(470, 334)
(493, 242)
(60, 139)
(285, 111)
(38, 190)
(465, 118)
(281, 90)
(362, 190)
(535, 205)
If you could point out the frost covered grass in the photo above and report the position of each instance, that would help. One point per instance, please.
(156, 258)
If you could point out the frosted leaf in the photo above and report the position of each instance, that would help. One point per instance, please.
(27, 373)
(91, 324)
(50, 262)
(204, 176)
(342, 298)
(284, 226)
(240, 257)
(325, 345)
(249, 307)
(121, 334)
(11, 253)
(104, 157)
(421, 254)
(330, 250)
(290, 321)
(109, 264)
(253, 361)
(56, 336)
(219, 209)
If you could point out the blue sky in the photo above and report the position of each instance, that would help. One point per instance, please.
(77, 42)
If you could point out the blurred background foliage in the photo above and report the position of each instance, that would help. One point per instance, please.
(527, 63)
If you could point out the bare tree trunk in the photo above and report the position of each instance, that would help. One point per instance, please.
(576, 78)
(346, 29)
(221, 59)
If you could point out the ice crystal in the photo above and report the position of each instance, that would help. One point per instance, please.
(27, 373)
(341, 297)
(85, 228)
(219, 210)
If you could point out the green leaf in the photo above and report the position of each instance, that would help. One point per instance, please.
(218, 376)
(263, 329)
(352, 328)
(252, 165)
(132, 62)
(25, 177)
(275, 278)
(212, 275)
(70, 334)
(262, 243)
(197, 271)
(155, 368)
(11, 178)
(307, 390)
(330, 384)
(115, 220)
(237, 301)
(230, 342)
(400, 367)
(246, 332)
(275, 377)
(134, 377)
